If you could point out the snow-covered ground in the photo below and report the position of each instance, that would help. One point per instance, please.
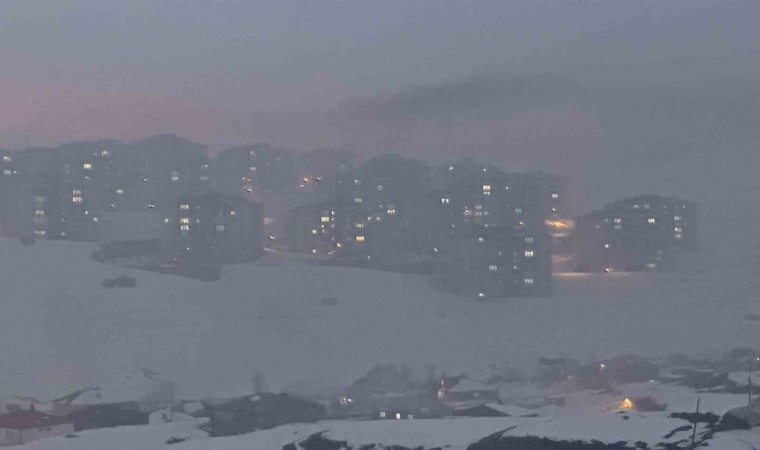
(60, 330)
(453, 434)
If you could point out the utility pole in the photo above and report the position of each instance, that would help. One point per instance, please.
(694, 431)
(171, 402)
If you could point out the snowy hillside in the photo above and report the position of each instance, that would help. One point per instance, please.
(306, 326)
(453, 434)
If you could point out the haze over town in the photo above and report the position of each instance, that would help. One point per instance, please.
(303, 218)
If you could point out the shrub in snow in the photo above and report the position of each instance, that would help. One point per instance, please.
(122, 281)
(176, 440)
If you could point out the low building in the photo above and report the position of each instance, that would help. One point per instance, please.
(643, 233)
(213, 228)
(22, 427)
(493, 410)
(260, 411)
(466, 393)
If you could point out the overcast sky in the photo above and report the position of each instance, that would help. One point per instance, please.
(620, 96)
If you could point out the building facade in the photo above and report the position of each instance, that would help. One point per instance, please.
(643, 233)
(213, 228)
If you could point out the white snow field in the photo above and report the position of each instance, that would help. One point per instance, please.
(59, 330)
(452, 434)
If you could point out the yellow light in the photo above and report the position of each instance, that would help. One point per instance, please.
(602, 365)
(627, 404)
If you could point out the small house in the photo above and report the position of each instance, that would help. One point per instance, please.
(493, 410)
(21, 427)
(467, 392)
(260, 411)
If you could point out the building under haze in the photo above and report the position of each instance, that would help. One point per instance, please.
(488, 232)
(63, 192)
(492, 228)
(382, 212)
(318, 170)
(253, 168)
(643, 233)
(213, 228)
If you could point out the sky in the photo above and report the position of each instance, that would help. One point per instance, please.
(622, 97)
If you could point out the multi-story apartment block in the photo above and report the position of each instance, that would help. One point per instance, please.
(494, 227)
(312, 229)
(381, 209)
(253, 169)
(213, 228)
(643, 233)
(318, 170)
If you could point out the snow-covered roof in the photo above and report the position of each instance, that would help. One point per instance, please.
(470, 385)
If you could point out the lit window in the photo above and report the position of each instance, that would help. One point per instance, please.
(39, 212)
(325, 219)
(651, 220)
(7, 172)
(529, 281)
(87, 166)
(518, 210)
(185, 220)
(220, 228)
(528, 253)
(313, 231)
(105, 153)
(677, 218)
(357, 200)
(493, 268)
(677, 230)
(166, 220)
(678, 236)
(555, 195)
(445, 201)
(651, 266)
(391, 211)
(359, 225)
(184, 227)
(486, 189)
(76, 199)
(184, 206)
(382, 414)
(398, 416)
(359, 238)
(39, 232)
(76, 192)
(606, 245)
(379, 188)
(529, 240)
(618, 220)
(175, 175)
(7, 159)
(120, 191)
(233, 213)
(481, 239)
